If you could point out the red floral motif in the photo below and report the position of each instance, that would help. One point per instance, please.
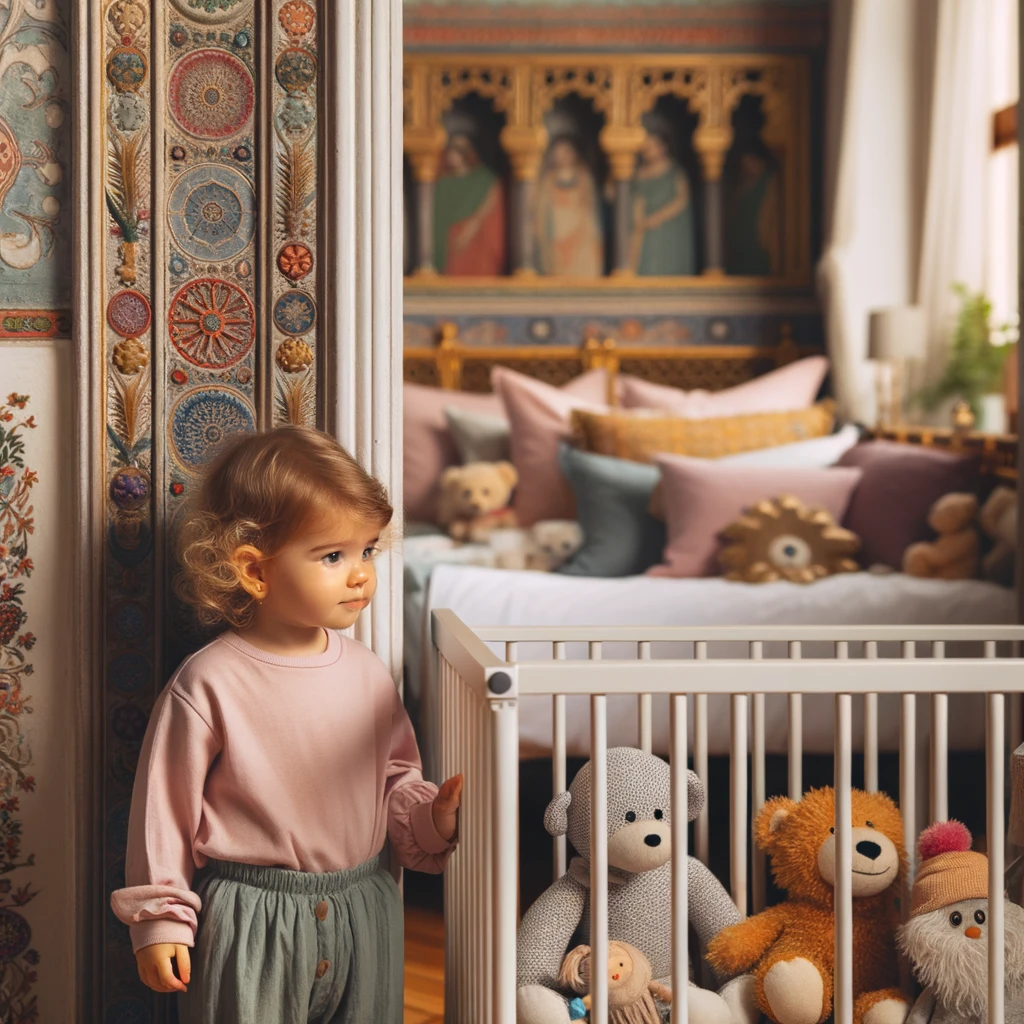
(212, 323)
(295, 261)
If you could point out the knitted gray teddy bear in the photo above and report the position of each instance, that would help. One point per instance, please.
(639, 887)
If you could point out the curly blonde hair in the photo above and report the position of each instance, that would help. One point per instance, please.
(262, 489)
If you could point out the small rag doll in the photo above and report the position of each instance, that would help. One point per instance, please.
(631, 990)
(946, 937)
(279, 759)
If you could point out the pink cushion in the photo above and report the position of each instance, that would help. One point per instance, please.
(538, 415)
(791, 387)
(703, 497)
(428, 445)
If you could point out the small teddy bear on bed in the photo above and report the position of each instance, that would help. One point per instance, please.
(946, 937)
(631, 989)
(475, 500)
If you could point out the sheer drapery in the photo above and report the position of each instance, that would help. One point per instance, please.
(907, 143)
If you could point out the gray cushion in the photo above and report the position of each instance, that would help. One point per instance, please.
(477, 437)
(620, 537)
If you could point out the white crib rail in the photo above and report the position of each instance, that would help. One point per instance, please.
(480, 733)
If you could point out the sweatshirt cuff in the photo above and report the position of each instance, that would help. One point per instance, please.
(149, 933)
(428, 839)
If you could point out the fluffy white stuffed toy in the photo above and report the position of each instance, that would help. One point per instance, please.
(543, 547)
(946, 937)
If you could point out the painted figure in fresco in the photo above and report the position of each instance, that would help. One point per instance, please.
(570, 239)
(753, 226)
(664, 240)
(469, 214)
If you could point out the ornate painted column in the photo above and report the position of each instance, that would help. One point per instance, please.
(525, 147)
(424, 147)
(712, 139)
(237, 245)
(621, 145)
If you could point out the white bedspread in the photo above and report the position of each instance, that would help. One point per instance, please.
(489, 597)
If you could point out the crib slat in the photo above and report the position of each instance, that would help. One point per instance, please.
(599, 856)
(939, 774)
(795, 757)
(680, 884)
(700, 757)
(558, 780)
(505, 789)
(760, 873)
(995, 768)
(843, 999)
(908, 776)
(738, 818)
(871, 728)
(644, 704)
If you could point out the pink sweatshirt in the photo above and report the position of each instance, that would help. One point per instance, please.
(301, 763)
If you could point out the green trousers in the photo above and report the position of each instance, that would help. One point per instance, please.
(285, 947)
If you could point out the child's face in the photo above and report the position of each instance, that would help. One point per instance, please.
(325, 576)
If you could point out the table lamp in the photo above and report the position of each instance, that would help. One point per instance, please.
(895, 336)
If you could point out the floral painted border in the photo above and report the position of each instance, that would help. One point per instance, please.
(18, 960)
(35, 323)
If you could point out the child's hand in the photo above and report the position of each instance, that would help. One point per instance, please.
(155, 969)
(445, 808)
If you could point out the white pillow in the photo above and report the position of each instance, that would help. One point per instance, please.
(817, 453)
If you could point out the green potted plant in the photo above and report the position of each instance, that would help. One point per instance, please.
(974, 369)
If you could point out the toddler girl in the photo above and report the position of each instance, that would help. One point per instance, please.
(279, 758)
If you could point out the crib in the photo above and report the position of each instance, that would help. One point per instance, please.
(479, 695)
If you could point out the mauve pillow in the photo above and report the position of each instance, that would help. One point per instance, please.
(900, 484)
(428, 447)
(790, 387)
(703, 497)
(539, 418)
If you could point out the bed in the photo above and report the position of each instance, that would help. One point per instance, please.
(465, 581)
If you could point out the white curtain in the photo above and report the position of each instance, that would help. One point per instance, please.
(906, 145)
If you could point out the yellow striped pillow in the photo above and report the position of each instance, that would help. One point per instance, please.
(640, 436)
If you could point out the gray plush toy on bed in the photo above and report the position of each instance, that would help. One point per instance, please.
(639, 887)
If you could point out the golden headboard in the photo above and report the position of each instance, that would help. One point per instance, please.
(455, 366)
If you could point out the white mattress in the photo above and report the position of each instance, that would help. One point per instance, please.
(491, 597)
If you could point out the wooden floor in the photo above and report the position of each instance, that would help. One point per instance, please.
(424, 966)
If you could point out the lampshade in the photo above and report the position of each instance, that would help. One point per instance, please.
(896, 333)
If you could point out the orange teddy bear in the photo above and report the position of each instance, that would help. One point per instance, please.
(788, 949)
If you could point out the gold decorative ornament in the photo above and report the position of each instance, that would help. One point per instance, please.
(127, 16)
(782, 539)
(130, 356)
(294, 356)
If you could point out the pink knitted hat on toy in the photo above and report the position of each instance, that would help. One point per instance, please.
(950, 870)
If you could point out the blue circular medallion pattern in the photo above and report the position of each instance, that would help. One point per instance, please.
(212, 212)
(202, 419)
(127, 1011)
(129, 621)
(294, 313)
(15, 934)
(129, 672)
(295, 69)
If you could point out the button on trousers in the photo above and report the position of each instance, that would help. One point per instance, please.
(286, 947)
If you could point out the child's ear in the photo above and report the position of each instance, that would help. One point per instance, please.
(771, 820)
